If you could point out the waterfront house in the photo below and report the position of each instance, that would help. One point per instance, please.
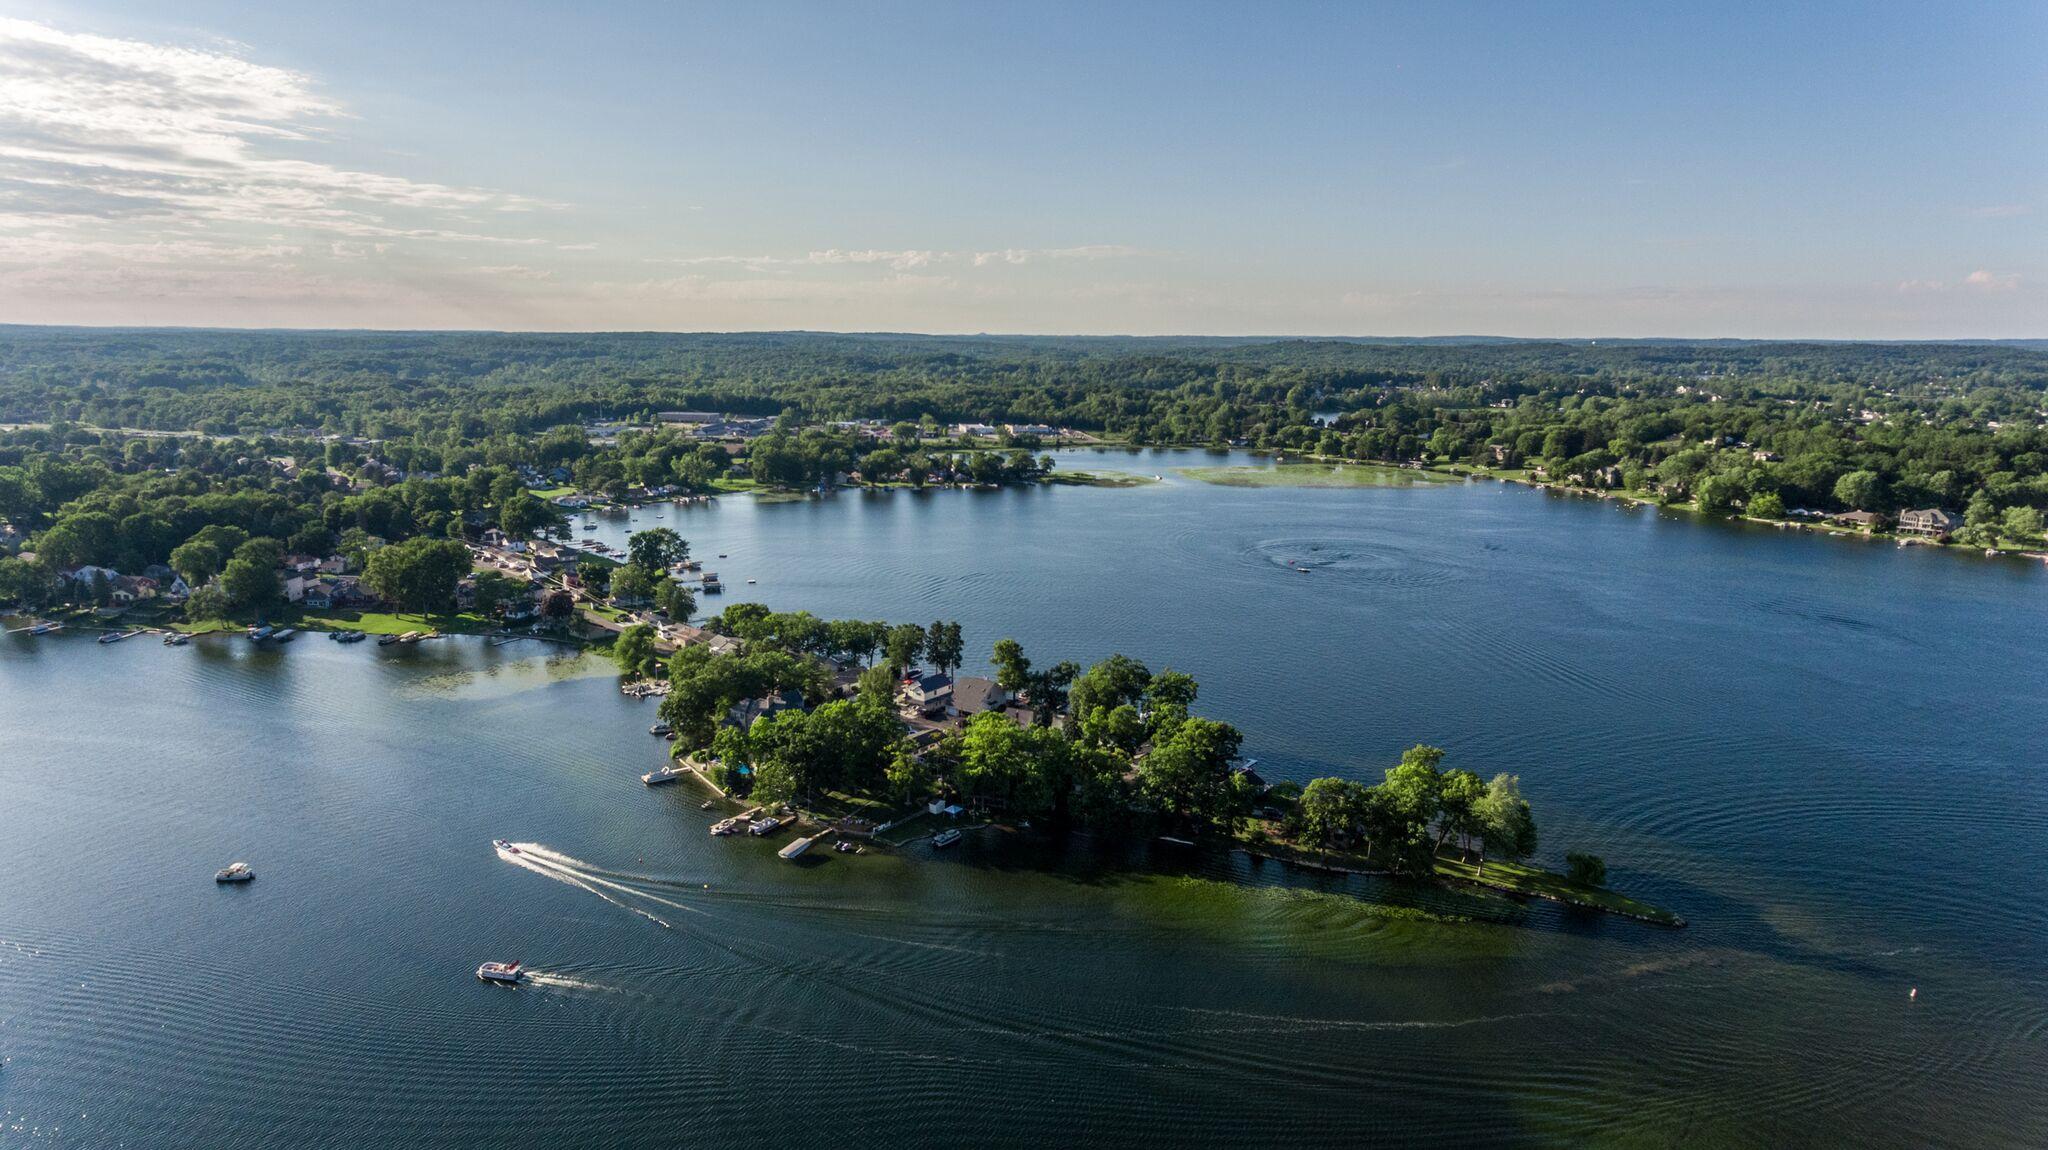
(930, 692)
(973, 694)
(1933, 523)
(132, 589)
(85, 575)
(1864, 520)
(744, 712)
(318, 596)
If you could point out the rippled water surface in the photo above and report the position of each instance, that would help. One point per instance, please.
(1827, 755)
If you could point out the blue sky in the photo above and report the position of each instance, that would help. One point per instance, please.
(1847, 171)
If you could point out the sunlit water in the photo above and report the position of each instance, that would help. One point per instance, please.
(1825, 754)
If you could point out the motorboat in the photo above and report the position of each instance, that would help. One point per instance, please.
(258, 634)
(352, 636)
(46, 628)
(667, 773)
(507, 847)
(386, 640)
(725, 826)
(285, 635)
(706, 805)
(234, 872)
(946, 838)
(112, 637)
(659, 729)
(764, 826)
(176, 639)
(505, 972)
(846, 847)
(411, 637)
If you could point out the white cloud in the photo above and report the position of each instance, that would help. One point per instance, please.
(2002, 211)
(1028, 255)
(1992, 281)
(95, 129)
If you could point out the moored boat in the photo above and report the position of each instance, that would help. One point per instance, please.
(234, 872)
(667, 773)
(946, 838)
(764, 826)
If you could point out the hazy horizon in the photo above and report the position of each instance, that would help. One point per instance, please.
(1835, 172)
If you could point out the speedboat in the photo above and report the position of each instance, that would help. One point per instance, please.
(234, 872)
(705, 805)
(176, 640)
(112, 637)
(667, 773)
(258, 634)
(946, 838)
(502, 845)
(846, 847)
(386, 640)
(725, 826)
(505, 972)
(659, 729)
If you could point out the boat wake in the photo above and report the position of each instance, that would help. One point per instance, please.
(568, 869)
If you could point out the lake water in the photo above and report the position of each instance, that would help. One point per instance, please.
(1826, 754)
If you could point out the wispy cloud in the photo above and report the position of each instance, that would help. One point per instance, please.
(2002, 211)
(1981, 280)
(96, 129)
(906, 259)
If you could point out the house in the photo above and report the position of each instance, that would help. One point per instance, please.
(318, 597)
(973, 694)
(746, 711)
(11, 537)
(930, 692)
(86, 574)
(1762, 456)
(974, 429)
(1242, 768)
(1933, 523)
(177, 590)
(133, 589)
(1865, 520)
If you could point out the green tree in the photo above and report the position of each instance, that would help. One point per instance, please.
(1862, 490)
(1585, 869)
(905, 642)
(944, 646)
(1509, 828)
(197, 561)
(1189, 774)
(418, 575)
(677, 601)
(656, 549)
(2022, 524)
(635, 651)
(1766, 505)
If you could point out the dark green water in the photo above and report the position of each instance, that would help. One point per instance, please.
(1826, 755)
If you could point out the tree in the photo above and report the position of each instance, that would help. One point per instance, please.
(250, 584)
(1188, 776)
(677, 601)
(633, 584)
(905, 642)
(657, 549)
(1458, 797)
(1330, 811)
(197, 561)
(635, 651)
(1766, 505)
(1171, 688)
(1508, 827)
(1862, 490)
(208, 602)
(418, 575)
(1585, 869)
(557, 606)
(1013, 670)
(944, 646)
(495, 589)
(2022, 523)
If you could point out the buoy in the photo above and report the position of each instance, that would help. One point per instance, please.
(1913, 993)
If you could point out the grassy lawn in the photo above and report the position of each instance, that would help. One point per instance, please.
(730, 484)
(1099, 479)
(1548, 884)
(551, 492)
(389, 623)
(1315, 475)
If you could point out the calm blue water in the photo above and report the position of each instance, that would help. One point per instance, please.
(1825, 754)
